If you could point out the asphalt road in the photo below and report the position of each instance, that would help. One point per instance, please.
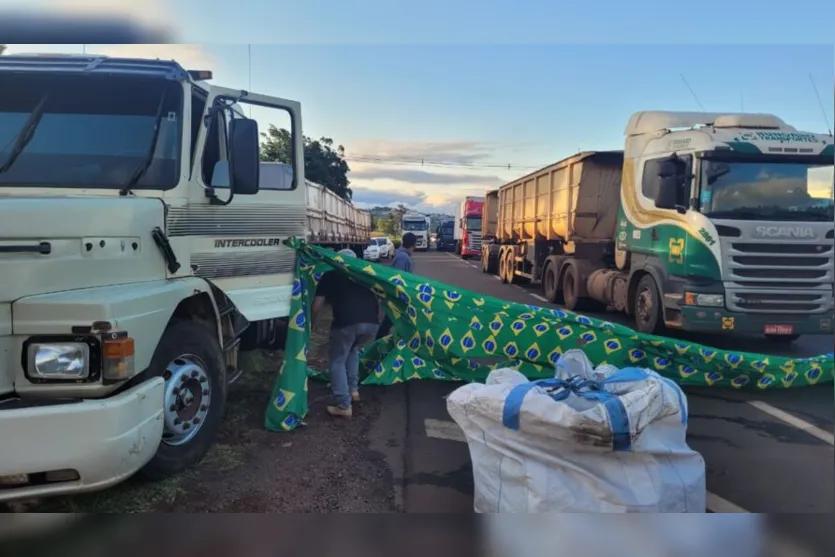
(769, 452)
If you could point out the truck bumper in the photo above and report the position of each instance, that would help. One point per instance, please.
(53, 449)
(720, 320)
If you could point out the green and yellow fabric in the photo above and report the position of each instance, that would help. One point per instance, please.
(442, 332)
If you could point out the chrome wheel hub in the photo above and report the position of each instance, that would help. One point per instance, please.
(188, 396)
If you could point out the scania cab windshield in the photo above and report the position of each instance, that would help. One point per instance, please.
(90, 131)
(770, 190)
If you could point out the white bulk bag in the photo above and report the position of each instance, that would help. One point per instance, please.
(603, 440)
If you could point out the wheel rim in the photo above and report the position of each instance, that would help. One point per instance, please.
(188, 397)
(644, 306)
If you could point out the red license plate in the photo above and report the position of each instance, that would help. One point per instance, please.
(779, 329)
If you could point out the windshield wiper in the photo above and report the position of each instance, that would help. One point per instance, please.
(149, 158)
(26, 134)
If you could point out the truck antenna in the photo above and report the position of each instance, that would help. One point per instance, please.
(820, 104)
(692, 92)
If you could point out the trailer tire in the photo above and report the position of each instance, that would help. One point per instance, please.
(551, 284)
(504, 256)
(649, 315)
(188, 357)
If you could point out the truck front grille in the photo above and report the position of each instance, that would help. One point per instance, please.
(474, 239)
(773, 277)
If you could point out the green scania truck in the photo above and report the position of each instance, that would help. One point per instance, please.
(704, 222)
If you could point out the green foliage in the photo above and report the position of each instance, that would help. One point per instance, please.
(323, 163)
(388, 225)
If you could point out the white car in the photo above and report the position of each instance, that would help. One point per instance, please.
(386, 247)
(371, 253)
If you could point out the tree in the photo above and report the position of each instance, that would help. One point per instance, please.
(323, 163)
(2, 48)
(388, 224)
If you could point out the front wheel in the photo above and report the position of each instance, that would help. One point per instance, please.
(649, 316)
(190, 360)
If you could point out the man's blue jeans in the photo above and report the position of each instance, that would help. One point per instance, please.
(343, 353)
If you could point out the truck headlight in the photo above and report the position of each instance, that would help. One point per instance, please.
(706, 300)
(60, 360)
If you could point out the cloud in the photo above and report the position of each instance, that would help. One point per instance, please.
(385, 198)
(414, 176)
(453, 152)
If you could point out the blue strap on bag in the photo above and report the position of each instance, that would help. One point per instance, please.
(560, 389)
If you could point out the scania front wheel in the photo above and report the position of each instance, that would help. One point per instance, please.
(190, 360)
(649, 315)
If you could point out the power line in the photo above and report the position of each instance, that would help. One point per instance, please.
(431, 163)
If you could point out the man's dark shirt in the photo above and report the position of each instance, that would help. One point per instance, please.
(352, 304)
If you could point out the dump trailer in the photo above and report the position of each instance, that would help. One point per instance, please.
(332, 221)
(704, 222)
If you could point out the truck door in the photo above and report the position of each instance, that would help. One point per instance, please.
(661, 238)
(237, 241)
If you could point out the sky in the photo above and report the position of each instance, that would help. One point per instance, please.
(482, 92)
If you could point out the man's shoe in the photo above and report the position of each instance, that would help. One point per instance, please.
(355, 396)
(340, 412)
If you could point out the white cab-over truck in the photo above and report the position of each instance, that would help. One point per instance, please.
(141, 248)
(418, 224)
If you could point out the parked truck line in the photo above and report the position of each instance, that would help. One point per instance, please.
(138, 261)
(705, 222)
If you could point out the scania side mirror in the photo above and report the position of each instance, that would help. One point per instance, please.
(244, 158)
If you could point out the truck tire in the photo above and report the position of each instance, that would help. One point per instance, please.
(503, 262)
(551, 284)
(649, 315)
(571, 287)
(191, 361)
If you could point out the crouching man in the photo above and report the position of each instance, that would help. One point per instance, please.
(356, 319)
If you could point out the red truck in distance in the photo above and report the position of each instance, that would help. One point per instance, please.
(468, 227)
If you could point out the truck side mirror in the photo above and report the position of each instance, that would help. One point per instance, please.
(244, 162)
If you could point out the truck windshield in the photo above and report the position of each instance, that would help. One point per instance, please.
(474, 224)
(92, 131)
(415, 225)
(777, 191)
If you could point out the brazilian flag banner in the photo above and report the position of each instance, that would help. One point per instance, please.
(446, 333)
